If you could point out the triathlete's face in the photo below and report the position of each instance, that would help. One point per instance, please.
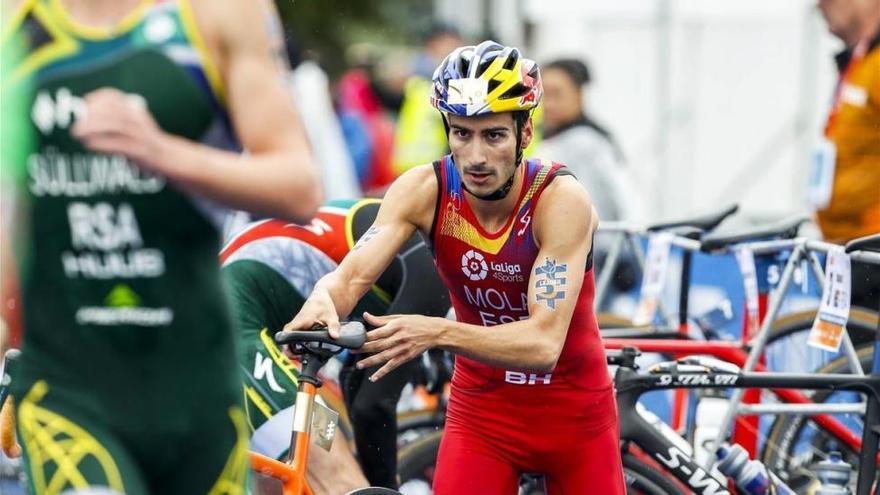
(484, 148)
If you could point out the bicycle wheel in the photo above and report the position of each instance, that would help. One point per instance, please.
(787, 348)
(373, 491)
(413, 425)
(415, 466)
(643, 479)
(795, 444)
(861, 325)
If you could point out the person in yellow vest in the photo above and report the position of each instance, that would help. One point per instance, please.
(845, 185)
(420, 136)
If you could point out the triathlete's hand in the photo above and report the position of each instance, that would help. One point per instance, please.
(120, 123)
(318, 310)
(396, 340)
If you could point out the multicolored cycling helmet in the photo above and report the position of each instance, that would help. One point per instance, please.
(487, 78)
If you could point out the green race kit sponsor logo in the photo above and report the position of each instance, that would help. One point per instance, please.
(122, 306)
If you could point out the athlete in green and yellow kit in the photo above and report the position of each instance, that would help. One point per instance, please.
(127, 382)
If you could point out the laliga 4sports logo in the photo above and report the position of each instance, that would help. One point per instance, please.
(474, 266)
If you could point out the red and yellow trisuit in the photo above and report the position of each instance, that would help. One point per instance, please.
(518, 420)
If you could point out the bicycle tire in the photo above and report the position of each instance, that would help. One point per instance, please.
(373, 490)
(786, 434)
(861, 325)
(414, 425)
(421, 419)
(644, 479)
(416, 462)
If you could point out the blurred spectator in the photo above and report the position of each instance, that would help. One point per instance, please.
(311, 90)
(420, 136)
(845, 186)
(572, 138)
(368, 131)
(847, 194)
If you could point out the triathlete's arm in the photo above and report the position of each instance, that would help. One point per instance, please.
(564, 235)
(276, 176)
(408, 205)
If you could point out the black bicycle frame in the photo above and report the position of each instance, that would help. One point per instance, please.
(634, 428)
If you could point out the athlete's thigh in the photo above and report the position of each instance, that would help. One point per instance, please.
(70, 450)
(593, 467)
(466, 464)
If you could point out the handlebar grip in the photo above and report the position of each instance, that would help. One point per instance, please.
(352, 335)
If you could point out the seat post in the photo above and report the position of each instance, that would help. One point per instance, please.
(303, 410)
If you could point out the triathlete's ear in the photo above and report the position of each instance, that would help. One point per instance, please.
(528, 132)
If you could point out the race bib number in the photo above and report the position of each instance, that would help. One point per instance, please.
(830, 323)
(822, 174)
(746, 261)
(653, 278)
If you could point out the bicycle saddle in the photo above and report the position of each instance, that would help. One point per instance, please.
(783, 229)
(352, 335)
(702, 222)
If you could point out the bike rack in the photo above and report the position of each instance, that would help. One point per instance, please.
(801, 249)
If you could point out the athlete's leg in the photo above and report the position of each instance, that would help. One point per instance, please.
(68, 450)
(466, 464)
(336, 471)
(592, 465)
(373, 412)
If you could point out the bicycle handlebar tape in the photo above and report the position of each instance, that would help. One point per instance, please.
(352, 335)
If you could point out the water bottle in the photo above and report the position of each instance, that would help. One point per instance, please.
(750, 476)
(834, 474)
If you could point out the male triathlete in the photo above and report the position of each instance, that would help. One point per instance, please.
(512, 242)
(125, 383)
(269, 268)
